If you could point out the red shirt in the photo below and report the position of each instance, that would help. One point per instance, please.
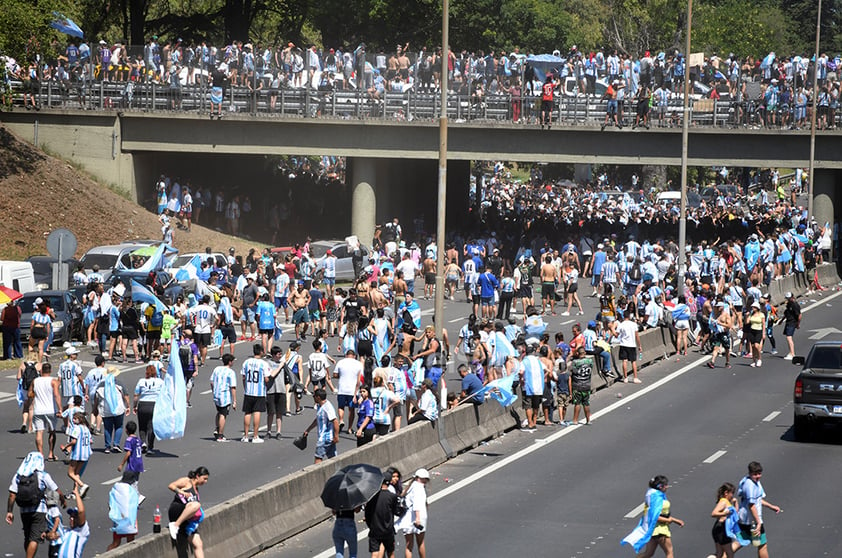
(547, 91)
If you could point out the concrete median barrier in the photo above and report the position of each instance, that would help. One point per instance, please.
(652, 346)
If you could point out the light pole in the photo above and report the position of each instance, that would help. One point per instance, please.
(441, 213)
(810, 176)
(685, 129)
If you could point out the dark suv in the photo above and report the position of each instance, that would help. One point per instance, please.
(817, 397)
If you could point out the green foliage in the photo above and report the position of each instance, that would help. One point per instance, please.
(746, 29)
(25, 28)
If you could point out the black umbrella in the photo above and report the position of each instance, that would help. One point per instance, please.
(352, 486)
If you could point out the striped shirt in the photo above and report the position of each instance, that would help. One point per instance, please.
(71, 378)
(254, 372)
(74, 541)
(94, 377)
(609, 272)
(501, 348)
(398, 380)
(82, 448)
(382, 397)
(225, 311)
(43, 319)
(53, 518)
(532, 371)
(222, 380)
(590, 338)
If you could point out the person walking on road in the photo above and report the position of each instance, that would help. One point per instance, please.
(792, 321)
(46, 407)
(328, 427)
(255, 373)
(27, 490)
(752, 500)
(653, 531)
(413, 524)
(380, 517)
(725, 507)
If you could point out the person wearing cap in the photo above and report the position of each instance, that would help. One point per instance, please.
(70, 373)
(792, 321)
(413, 524)
(427, 408)
(78, 532)
(755, 328)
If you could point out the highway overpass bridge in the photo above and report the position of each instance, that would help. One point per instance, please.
(393, 164)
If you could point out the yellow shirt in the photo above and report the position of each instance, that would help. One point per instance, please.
(756, 320)
(663, 528)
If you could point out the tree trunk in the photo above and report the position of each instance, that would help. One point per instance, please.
(137, 23)
(238, 17)
(654, 175)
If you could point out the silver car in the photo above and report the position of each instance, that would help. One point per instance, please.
(344, 262)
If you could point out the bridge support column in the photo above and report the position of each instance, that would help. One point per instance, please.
(825, 199)
(363, 198)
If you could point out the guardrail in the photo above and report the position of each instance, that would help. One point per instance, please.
(406, 106)
(265, 516)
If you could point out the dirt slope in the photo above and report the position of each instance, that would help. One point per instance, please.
(39, 193)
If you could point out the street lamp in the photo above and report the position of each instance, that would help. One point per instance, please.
(685, 132)
(810, 176)
(441, 213)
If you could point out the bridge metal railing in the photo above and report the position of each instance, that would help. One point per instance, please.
(412, 105)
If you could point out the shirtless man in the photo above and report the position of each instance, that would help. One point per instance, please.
(403, 63)
(399, 287)
(429, 269)
(452, 273)
(300, 300)
(377, 299)
(549, 278)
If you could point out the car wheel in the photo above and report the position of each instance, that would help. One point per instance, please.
(801, 429)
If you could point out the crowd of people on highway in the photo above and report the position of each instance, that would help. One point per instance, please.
(765, 89)
(360, 354)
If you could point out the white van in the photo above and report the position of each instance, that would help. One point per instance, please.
(17, 275)
(668, 197)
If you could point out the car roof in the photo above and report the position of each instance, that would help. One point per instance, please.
(114, 248)
(50, 292)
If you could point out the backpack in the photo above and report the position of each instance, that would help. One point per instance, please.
(634, 273)
(29, 375)
(184, 355)
(29, 490)
(157, 319)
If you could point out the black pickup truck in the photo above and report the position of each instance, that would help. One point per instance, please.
(817, 397)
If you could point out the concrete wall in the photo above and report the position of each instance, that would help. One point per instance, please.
(92, 142)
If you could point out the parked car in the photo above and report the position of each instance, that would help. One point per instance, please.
(159, 282)
(344, 263)
(67, 324)
(710, 193)
(42, 267)
(181, 259)
(817, 396)
(106, 257)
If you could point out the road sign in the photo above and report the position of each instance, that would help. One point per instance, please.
(61, 244)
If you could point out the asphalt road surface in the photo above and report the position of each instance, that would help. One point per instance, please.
(234, 467)
(577, 491)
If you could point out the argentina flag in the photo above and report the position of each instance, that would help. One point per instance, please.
(641, 534)
(170, 415)
(500, 390)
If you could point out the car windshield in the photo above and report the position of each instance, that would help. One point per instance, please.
(27, 303)
(826, 358)
(104, 261)
(319, 250)
(181, 261)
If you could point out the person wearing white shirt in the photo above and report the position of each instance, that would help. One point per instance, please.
(348, 370)
(629, 338)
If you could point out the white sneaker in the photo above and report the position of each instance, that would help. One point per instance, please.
(245, 439)
(788, 357)
(83, 490)
(759, 363)
(753, 365)
(140, 500)
(173, 528)
(565, 313)
(257, 440)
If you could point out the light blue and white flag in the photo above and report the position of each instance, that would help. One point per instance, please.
(143, 294)
(500, 390)
(641, 534)
(122, 508)
(170, 415)
(189, 270)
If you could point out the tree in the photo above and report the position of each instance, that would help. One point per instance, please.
(744, 28)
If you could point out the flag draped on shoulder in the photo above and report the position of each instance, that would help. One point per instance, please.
(170, 415)
(641, 534)
(122, 508)
(141, 293)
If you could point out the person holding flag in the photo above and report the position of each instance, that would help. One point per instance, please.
(653, 530)
(169, 416)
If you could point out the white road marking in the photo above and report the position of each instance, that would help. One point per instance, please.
(454, 487)
(450, 322)
(715, 456)
(207, 391)
(12, 377)
(635, 512)
(112, 481)
(771, 416)
(568, 322)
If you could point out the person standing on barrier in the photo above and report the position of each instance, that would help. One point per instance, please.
(792, 321)
(628, 333)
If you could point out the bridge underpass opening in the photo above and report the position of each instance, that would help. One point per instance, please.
(290, 201)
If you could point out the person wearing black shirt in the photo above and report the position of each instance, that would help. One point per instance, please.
(380, 517)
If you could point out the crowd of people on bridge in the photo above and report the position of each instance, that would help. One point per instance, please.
(363, 357)
(765, 89)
